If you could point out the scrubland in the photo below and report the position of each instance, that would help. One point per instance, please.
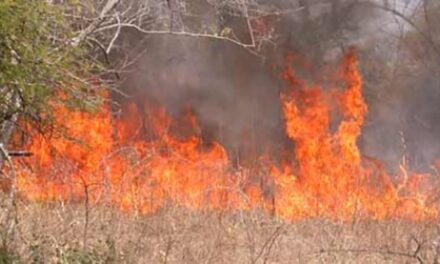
(74, 233)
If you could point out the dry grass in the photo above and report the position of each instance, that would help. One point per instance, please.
(55, 233)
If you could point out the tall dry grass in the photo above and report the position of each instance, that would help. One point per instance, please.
(64, 233)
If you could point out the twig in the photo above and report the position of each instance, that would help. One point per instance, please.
(20, 153)
(118, 31)
(383, 252)
(268, 244)
(110, 5)
(178, 33)
(428, 39)
(86, 213)
(249, 25)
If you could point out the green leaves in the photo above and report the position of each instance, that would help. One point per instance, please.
(36, 58)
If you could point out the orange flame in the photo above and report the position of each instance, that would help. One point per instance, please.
(137, 163)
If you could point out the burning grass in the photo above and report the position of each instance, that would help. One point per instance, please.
(145, 159)
(133, 190)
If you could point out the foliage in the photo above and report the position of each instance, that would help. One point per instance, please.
(78, 256)
(7, 256)
(38, 60)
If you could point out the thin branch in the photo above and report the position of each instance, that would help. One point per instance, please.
(268, 244)
(178, 33)
(110, 5)
(414, 255)
(248, 23)
(393, 11)
(118, 31)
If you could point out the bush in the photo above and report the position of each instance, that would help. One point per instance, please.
(8, 257)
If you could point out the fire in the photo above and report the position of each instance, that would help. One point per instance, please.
(332, 179)
(138, 162)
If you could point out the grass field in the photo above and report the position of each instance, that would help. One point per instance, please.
(67, 233)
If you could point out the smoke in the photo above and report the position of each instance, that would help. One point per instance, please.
(402, 89)
(235, 94)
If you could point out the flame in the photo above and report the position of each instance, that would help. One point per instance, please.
(332, 178)
(140, 163)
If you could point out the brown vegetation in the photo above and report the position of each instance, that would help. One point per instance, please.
(55, 233)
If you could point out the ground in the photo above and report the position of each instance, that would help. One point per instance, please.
(57, 233)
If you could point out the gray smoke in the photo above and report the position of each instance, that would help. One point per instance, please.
(235, 94)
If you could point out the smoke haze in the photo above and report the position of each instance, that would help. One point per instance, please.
(235, 94)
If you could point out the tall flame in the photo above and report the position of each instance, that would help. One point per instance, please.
(137, 162)
(332, 179)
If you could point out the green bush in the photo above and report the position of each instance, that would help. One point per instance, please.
(75, 256)
(8, 257)
(38, 59)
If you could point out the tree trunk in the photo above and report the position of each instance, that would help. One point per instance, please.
(8, 126)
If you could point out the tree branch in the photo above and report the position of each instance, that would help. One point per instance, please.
(110, 5)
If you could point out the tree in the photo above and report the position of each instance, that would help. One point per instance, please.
(38, 62)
